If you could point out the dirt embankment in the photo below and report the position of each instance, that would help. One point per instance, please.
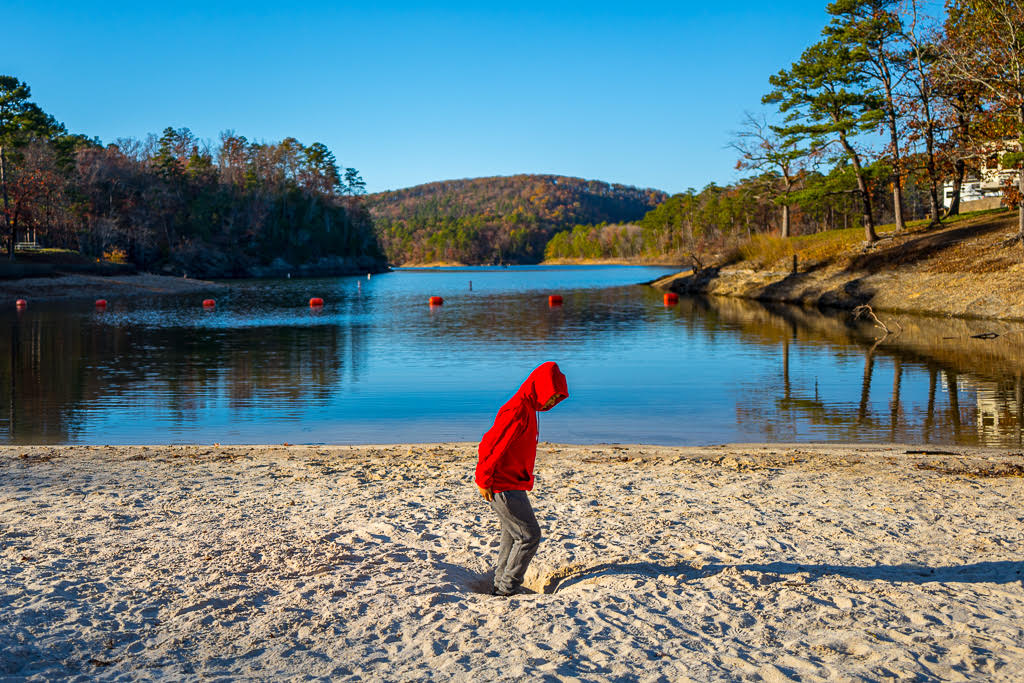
(973, 268)
(433, 264)
(608, 262)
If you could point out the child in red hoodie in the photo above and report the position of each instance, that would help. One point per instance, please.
(504, 472)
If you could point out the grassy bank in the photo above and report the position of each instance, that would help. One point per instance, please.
(769, 251)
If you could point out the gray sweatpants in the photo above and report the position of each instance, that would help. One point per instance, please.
(520, 536)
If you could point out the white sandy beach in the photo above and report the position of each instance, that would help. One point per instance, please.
(722, 563)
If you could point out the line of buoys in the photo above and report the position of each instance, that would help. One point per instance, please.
(670, 299)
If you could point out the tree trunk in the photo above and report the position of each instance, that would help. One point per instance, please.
(8, 226)
(1020, 175)
(1020, 208)
(959, 170)
(894, 404)
(897, 202)
(959, 166)
(897, 181)
(865, 387)
(897, 161)
(865, 195)
(934, 179)
(953, 389)
(785, 221)
(934, 207)
(929, 420)
(785, 368)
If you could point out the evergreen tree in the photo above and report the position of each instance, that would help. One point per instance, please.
(827, 101)
(872, 32)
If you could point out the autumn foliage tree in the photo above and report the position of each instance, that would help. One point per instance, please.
(175, 202)
(21, 123)
(984, 49)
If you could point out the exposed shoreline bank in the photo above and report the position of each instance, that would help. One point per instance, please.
(549, 262)
(970, 270)
(82, 287)
(764, 560)
(609, 262)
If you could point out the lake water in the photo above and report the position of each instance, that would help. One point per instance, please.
(378, 365)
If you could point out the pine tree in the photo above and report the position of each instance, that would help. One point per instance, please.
(827, 100)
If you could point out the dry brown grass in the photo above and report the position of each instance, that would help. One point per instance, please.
(972, 243)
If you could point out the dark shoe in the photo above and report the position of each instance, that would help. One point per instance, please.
(518, 590)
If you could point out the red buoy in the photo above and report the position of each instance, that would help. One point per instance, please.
(21, 303)
(436, 301)
(555, 300)
(316, 302)
(671, 298)
(209, 303)
(101, 303)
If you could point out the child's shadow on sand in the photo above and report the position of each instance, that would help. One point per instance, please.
(979, 572)
(467, 579)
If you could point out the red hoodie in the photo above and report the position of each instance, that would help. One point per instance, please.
(509, 448)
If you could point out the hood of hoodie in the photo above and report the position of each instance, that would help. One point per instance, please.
(543, 383)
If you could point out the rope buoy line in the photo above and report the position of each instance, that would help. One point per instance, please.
(554, 300)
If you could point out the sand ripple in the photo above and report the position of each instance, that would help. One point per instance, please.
(756, 563)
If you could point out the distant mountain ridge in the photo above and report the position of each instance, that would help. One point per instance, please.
(501, 219)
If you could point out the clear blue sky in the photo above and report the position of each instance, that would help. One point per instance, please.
(642, 93)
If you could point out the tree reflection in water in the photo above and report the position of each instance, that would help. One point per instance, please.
(990, 369)
(63, 368)
(706, 370)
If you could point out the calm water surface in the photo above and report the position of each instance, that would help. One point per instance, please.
(377, 365)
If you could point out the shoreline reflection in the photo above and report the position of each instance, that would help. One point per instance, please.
(377, 365)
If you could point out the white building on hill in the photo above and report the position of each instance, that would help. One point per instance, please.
(983, 185)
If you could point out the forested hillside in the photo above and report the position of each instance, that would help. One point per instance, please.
(175, 203)
(505, 219)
